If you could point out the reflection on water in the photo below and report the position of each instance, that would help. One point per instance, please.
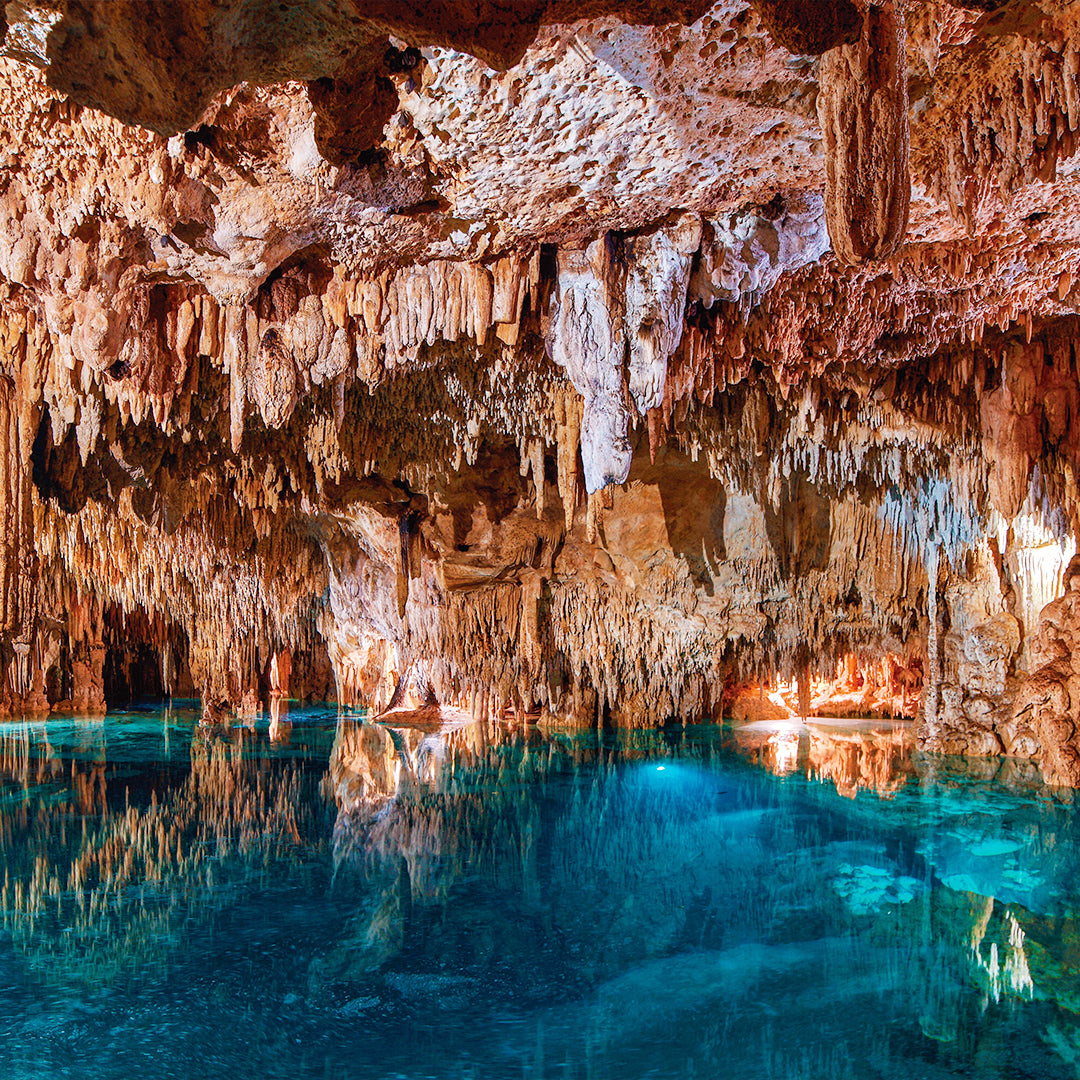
(107, 855)
(317, 895)
(854, 755)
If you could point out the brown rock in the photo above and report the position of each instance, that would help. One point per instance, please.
(863, 111)
(488, 356)
(810, 27)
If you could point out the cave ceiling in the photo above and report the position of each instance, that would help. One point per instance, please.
(587, 360)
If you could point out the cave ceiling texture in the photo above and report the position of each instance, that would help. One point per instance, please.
(601, 362)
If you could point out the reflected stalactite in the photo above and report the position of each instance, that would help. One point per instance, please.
(435, 830)
(877, 761)
(430, 868)
(94, 881)
(872, 758)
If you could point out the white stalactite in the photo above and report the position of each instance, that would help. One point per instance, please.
(656, 281)
(588, 340)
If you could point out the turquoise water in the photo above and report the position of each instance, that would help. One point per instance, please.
(318, 896)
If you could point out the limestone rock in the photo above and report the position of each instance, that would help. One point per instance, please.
(745, 254)
(588, 340)
(1050, 697)
(810, 26)
(583, 362)
(863, 110)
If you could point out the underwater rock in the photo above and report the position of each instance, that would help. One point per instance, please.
(866, 889)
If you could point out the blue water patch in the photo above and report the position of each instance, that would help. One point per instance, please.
(313, 894)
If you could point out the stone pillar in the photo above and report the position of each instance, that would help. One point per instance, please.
(280, 671)
(18, 559)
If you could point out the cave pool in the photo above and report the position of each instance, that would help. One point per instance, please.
(313, 895)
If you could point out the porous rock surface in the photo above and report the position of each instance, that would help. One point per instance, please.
(591, 361)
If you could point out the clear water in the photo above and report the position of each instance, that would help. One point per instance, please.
(348, 900)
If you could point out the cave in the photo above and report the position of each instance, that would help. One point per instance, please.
(399, 399)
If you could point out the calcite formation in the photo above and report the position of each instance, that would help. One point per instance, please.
(864, 113)
(596, 362)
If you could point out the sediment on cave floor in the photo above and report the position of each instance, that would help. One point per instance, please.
(609, 364)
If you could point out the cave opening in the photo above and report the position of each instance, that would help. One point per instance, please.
(144, 660)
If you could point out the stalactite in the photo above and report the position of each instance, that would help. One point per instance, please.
(587, 339)
(266, 407)
(656, 282)
(863, 111)
(933, 675)
(18, 575)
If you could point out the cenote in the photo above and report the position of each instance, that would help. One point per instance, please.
(561, 399)
(314, 894)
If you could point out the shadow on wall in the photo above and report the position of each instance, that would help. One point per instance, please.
(675, 503)
(800, 530)
(692, 507)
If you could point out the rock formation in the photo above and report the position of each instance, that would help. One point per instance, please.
(863, 110)
(587, 361)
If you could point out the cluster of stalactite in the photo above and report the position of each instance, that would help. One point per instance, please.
(18, 558)
(470, 551)
(1000, 138)
(877, 760)
(603, 477)
(214, 619)
(977, 138)
(151, 351)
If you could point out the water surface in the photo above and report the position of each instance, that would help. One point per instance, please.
(315, 895)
